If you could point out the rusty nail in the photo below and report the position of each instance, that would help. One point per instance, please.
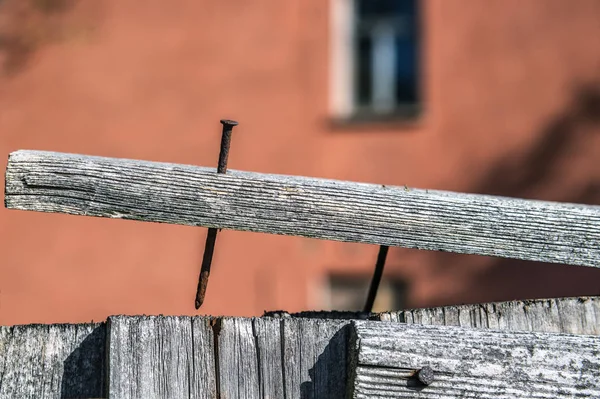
(425, 375)
(225, 143)
(211, 237)
(383, 251)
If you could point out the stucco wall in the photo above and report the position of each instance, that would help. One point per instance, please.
(511, 89)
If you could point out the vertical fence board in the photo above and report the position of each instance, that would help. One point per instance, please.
(52, 361)
(267, 333)
(315, 358)
(160, 357)
(238, 365)
(204, 366)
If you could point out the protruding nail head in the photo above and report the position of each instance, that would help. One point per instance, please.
(425, 375)
(229, 122)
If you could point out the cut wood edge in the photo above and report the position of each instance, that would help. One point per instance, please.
(574, 315)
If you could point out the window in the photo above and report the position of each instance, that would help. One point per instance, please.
(349, 293)
(375, 58)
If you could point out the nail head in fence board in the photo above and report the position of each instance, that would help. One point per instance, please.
(161, 357)
(562, 315)
(473, 363)
(52, 361)
(301, 206)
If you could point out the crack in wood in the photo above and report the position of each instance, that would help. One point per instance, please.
(216, 324)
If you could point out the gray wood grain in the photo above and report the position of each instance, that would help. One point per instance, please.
(271, 366)
(315, 353)
(282, 358)
(472, 363)
(161, 357)
(52, 361)
(563, 315)
(325, 209)
(152, 357)
(287, 356)
(239, 366)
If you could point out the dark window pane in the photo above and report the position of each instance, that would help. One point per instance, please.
(363, 70)
(377, 8)
(348, 292)
(406, 71)
(402, 16)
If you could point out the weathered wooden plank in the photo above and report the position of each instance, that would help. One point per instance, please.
(288, 357)
(52, 361)
(152, 357)
(473, 363)
(282, 358)
(271, 367)
(239, 372)
(563, 315)
(315, 353)
(325, 209)
(161, 357)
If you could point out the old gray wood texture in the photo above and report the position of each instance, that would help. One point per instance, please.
(282, 358)
(315, 354)
(325, 209)
(52, 361)
(563, 315)
(576, 315)
(471, 363)
(153, 357)
(272, 357)
(239, 361)
(161, 357)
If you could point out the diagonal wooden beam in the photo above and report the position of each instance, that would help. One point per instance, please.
(302, 206)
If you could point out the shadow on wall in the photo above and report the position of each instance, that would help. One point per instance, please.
(535, 173)
(27, 25)
(530, 174)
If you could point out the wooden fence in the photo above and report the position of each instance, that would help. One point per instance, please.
(524, 349)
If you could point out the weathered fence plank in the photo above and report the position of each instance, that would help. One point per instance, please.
(161, 357)
(52, 361)
(325, 209)
(239, 362)
(474, 363)
(271, 366)
(152, 357)
(562, 315)
(271, 357)
(315, 358)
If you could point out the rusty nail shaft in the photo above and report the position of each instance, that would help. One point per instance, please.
(381, 257)
(211, 237)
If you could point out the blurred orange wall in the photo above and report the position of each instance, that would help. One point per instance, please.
(511, 91)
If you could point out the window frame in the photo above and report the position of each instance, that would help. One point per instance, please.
(344, 108)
